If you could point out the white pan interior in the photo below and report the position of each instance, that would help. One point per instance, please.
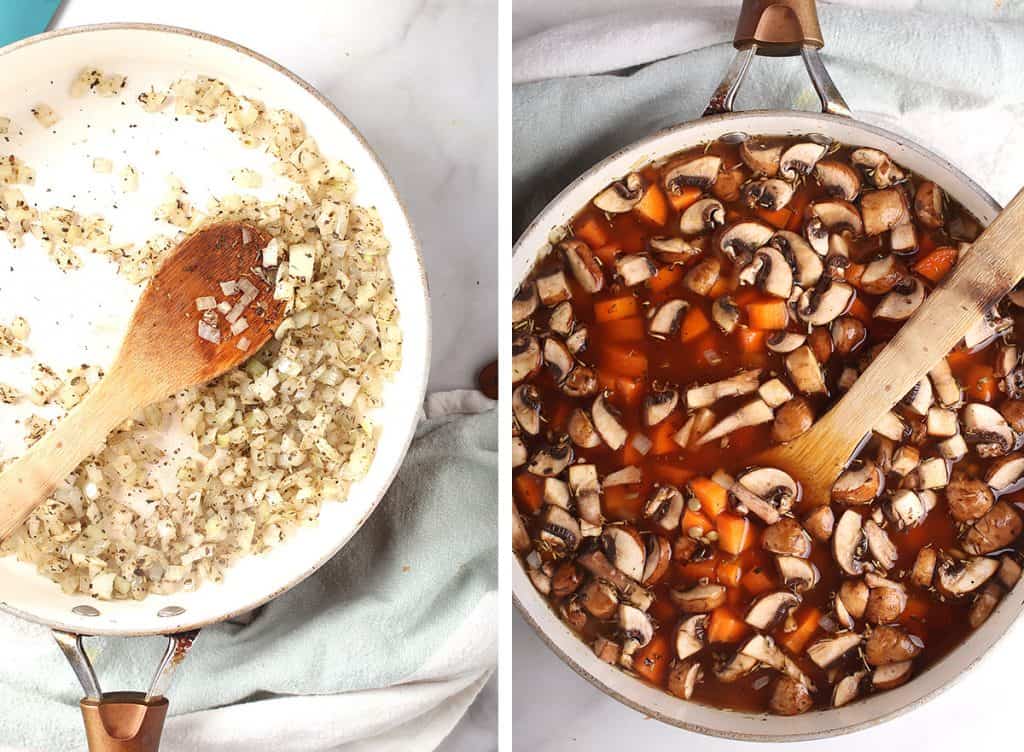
(80, 317)
(578, 655)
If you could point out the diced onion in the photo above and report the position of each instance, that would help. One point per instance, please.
(205, 303)
(642, 444)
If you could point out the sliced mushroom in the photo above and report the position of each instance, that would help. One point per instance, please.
(891, 675)
(891, 426)
(986, 329)
(947, 390)
(519, 452)
(625, 550)
(923, 571)
(929, 205)
(699, 599)
(635, 268)
(968, 498)
(987, 430)
(903, 238)
(636, 627)
(743, 238)
(558, 358)
(787, 537)
(806, 263)
(626, 476)
(673, 250)
(581, 430)
(847, 689)
(559, 530)
(700, 172)
(878, 166)
(836, 216)
(553, 288)
(881, 548)
(853, 595)
(760, 156)
(888, 644)
(745, 382)
(725, 313)
(839, 180)
(901, 302)
(885, 604)
(577, 341)
(826, 652)
(770, 271)
(540, 580)
(767, 492)
(581, 382)
(622, 195)
(1013, 411)
(771, 194)
(735, 668)
(1005, 472)
(695, 426)
(520, 536)
(701, 277)
(805, 371)
(930, 473)
(665, 507)
(584, 265)
(798, 574)
(606, 421)
(953, 449)
(600, 599)
(526, 357)
(659, 404)
(1009, 571)
(550, 461)
(882, 275)
(790, 697)
(920, 397)
(860, 484)
(607, 650)
(659, 556)
(800, 159)
(882, 210)
(984, 604)
(774, 392)
(753, 413)
(667, 318)
(524, 303)
(701, 216)
(958, 577)
(847, 542)
(684, 677)
(687, 644)
(998, 528)
(785, 342)
(817, 235)
(562, 319)
(768, 610)
(820, 522)
(905, 508)
(556, 492)
(526, 408)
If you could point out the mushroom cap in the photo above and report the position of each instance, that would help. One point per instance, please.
(771, 194)
(800, 159)
(704, 214)
(838, 216)
(525, 302)
(625, 550)
(847, 542)
(787, 537)
(796, 573)
(839, 180)
(859, 484)
(768, 610)
(887, 644)
(883, 209)
(820, 305)
(957, 577)
(526, 408)
(986, 428)
(760, 156)
(790, 697)
(998, 528)
(899, 304)
(700, 172)
(622, 195)
(744, 238)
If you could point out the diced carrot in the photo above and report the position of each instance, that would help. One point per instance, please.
(593, 231)
(529, 492)
(707, 351)
(630, 454)
(721, 287)
(757, 580)
(653, 206)
(751, 340)
(666, 277)
(669, 472)
(806, 625)
(854, 272)
(798, 205)
(613, 309)
(653, 659)
(767, 314)
(697, 520)
(859, 309)
(735, 534)
(699, 570)
(606, 379)
(925, 244)
(607, 254)
(661, 436)
(623, 330)
(624, 360)
(936, 264)
(746, 295)
(729, 573)
(622, 503)
(695, 323)
(779, 218)
(687, 195)
(725, 626)
(629, 391)
(735, 597)
(712, 497)
(981, 382)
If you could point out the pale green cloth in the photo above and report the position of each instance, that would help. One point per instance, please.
(372, 617)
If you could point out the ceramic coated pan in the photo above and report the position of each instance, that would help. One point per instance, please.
(774, 28)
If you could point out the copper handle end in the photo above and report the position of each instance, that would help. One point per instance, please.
(778, 27)
(124, 722)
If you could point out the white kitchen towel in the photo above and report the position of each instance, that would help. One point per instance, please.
(383, 649)
(595, 75)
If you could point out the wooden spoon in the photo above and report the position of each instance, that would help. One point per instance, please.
(161, 354)
(990, 269)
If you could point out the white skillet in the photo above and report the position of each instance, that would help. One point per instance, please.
(770, 27)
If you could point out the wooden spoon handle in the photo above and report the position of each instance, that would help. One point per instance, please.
(986, 273)
(31, 478)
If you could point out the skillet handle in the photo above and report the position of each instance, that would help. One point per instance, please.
(124, 721)
(778, 28)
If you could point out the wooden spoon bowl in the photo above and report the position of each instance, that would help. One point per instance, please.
(162, 353)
